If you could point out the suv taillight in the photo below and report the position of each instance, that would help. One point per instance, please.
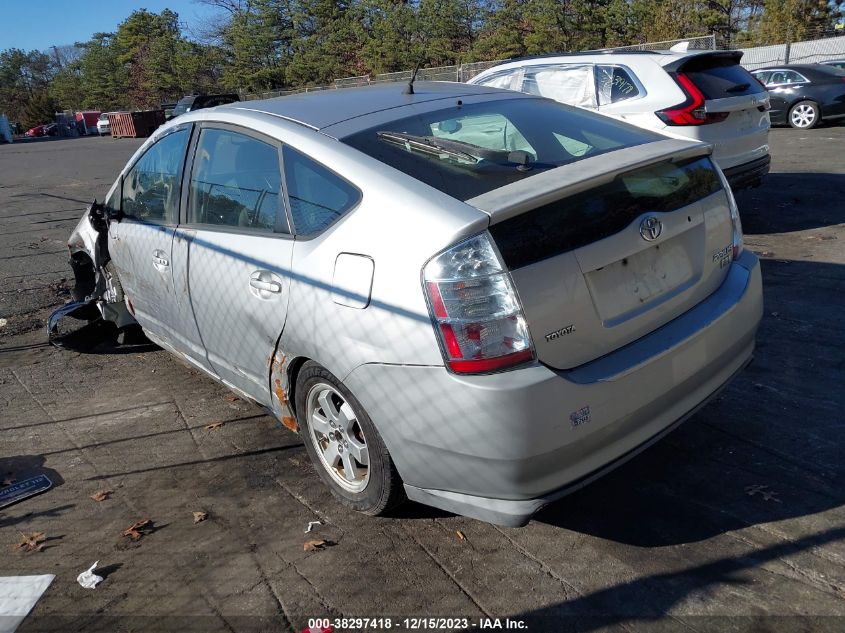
(691, 110)
(475, 309)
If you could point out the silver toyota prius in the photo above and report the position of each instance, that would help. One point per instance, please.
(476, 299)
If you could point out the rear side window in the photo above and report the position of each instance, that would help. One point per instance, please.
(572, 84)
(468, 150)
(615, 84)
(721, 78)
(152, 187)
(235, 182)
(595, 214)
(317, 196)
(508, 80)
(780, 77)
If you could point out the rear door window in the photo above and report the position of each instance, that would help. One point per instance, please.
(721, 78)
(235, 182)
(615, 84)
(317, 196)
(572, 84)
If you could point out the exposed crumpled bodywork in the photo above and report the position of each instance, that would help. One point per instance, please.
(97, 297)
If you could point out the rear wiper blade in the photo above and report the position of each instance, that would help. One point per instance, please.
(461, 149)
(739, 88)
(428, 145)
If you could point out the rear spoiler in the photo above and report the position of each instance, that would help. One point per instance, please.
(518, 197)
(705, 59)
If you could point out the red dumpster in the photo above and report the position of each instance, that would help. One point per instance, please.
(135, 124)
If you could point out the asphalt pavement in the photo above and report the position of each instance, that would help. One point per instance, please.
(733, 522)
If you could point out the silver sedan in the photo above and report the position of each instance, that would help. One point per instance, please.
(473, 298)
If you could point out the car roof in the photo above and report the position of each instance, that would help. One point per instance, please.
(664, 58)
(323, 108)
(789, 67)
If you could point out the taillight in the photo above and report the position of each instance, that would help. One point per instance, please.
(476, 312)
(691, 110)
(736, 241)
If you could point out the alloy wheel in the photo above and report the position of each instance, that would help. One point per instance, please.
(338, 437)
(803, 115)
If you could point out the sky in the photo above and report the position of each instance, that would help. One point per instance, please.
(40, 24)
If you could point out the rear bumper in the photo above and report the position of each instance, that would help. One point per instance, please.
(748, 174)
(500, 447)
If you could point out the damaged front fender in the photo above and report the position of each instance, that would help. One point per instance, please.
(98, 310)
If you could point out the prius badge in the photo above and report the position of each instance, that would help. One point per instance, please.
(650, 228)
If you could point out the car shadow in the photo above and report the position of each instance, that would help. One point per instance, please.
(769, 447)
(654, 596)
(788, 202)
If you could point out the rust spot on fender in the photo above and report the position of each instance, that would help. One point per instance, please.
(281, 396)
(290, 423)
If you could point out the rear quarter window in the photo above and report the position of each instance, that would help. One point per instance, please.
(317, 196)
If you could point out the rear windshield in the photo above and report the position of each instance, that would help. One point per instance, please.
(830, 69)
(468, 150)
(722, 79)
(595, 214)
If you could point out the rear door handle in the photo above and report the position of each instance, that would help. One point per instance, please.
(267, 286)
(159, 259)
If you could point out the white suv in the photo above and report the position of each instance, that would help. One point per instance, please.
(699, 95)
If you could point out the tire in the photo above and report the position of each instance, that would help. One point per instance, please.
(804, 115)
(373, 492)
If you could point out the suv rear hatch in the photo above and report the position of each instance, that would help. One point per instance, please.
(724, 105)
(601, 260)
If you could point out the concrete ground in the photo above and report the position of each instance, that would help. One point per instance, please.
(733, 522)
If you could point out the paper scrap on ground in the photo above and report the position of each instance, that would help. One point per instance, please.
(88, 578)
(18, 594)
(311, 525)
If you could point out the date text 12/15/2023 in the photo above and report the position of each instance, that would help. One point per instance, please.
(425, 623)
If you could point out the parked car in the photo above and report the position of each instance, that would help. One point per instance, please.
(838, 63)
(190, 103)
(700, 95)
(103, 126)
(36, 131)
(86, 121)
(804, 95)
(475, 298)
(168, 110)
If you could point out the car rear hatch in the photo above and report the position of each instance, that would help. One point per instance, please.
(725, 105)
(605, 250)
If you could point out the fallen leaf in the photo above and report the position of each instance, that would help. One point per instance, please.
(231, 398)
(33, 542)
(200, 516)
(138, 529)
(313, 546)
(460, 535)
(101, 495)
(213, 425)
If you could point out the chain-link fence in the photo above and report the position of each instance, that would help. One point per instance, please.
(807, 52)
(756, 57)
(702, 43)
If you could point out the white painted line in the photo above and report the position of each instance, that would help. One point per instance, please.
(18, 594)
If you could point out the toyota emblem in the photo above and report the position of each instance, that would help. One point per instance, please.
(650, 228)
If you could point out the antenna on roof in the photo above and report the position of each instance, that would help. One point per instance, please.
(409, 89)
